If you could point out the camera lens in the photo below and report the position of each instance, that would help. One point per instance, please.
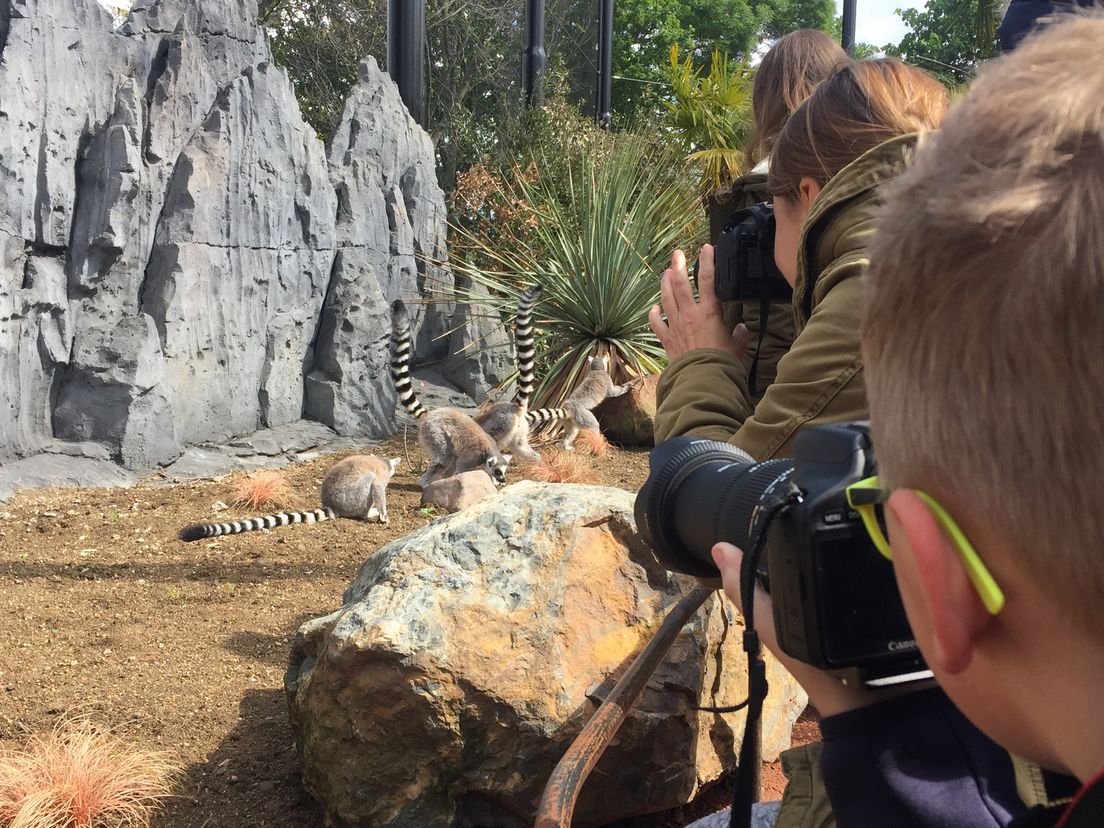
(700, 492)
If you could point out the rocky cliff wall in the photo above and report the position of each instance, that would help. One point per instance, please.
(181, 259)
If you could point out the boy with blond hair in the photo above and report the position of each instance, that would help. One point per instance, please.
(983, 341)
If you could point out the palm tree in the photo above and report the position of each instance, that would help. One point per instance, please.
(987, 21)
(711, 112)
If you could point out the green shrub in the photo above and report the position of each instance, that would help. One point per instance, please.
(593, 223)
(710, 112)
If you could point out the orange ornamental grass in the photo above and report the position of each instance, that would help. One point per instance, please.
(558, 466)
(80, 776)
(264, 488)
(593, 441)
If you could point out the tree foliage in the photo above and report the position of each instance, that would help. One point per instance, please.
(474, 50)
(710, 112)
(645, 31)
(780, 17)
(946, 38)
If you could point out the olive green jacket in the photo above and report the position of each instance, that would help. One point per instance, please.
(771, 343)
(703, 393)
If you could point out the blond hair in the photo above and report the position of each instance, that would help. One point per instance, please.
(786, 76)
(982, 328)
(862, 105)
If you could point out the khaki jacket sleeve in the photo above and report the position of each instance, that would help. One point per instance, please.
(776, 341)
(703, 393)
(819, 380)
(805, 801)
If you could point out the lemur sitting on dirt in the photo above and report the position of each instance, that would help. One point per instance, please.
(355, 487)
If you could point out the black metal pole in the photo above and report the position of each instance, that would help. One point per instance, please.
(535, 60)
(848, 39)
(603, 112)
(406, 53)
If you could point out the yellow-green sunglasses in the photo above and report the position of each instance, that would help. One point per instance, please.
(866, 498)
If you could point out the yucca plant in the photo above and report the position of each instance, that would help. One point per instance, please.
(603, 233)
(711, 112)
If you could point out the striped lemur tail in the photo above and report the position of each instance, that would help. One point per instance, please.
(401, 347)
(199, 531)
(576, 409)
(524, 342)
(541, 416)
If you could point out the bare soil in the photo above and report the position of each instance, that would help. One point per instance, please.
(183, 646)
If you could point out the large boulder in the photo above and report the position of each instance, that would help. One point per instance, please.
(467, 656)
(629, 420)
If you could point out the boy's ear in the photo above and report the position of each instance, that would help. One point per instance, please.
(931, 572)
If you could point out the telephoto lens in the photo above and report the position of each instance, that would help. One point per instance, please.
(700, 492)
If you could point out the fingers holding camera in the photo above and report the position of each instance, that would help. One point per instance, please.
(691, 323)
(728, 559)
(678, 283)
(827, 693)
(741, 338)
(659, 326)
(707, 290)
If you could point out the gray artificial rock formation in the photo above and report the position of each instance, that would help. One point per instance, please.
(481, 359)
(181, 259)
(390, 238)
(468, 655)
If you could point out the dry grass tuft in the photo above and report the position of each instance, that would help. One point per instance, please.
(557, 466)
(592, 441)
(264, 488)
(80, 776)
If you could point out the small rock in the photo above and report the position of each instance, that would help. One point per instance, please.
(459, 491)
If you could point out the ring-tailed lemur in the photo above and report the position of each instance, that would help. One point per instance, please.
(505, 421)
(355, 487)
(596, 387)
(451, 441)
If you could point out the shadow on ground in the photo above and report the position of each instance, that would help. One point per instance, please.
(251, 778)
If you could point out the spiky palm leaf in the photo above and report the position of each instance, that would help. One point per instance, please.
(711, 111)
(987, 21)
(603, 236)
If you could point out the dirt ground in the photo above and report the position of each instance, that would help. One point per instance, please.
(184, 646)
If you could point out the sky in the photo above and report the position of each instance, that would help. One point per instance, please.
(875, 21)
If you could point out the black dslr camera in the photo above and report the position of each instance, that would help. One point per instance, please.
(744, 258)
(836, 603)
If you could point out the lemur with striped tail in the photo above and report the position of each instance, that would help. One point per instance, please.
(451, 441)
(505, 421)
(596, 386)
(355, 487)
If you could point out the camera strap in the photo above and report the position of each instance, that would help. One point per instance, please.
(749, 767)
(764, 312)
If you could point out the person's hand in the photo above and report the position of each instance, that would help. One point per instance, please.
(827, 693)
(693, 324)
